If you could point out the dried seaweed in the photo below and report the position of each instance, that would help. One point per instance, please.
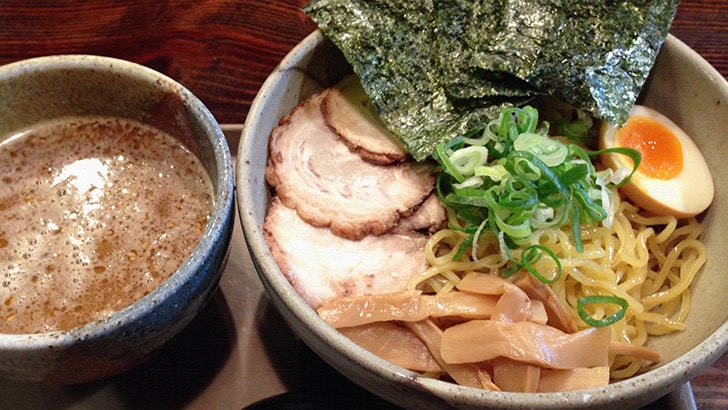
(434, 68)
(399, 68)
(594, 55)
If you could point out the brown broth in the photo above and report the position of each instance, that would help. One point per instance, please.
(95, 213)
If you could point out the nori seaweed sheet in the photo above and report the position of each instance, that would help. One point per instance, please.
(399, 68)
(436, 68)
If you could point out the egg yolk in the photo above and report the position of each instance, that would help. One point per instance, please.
(661, 151)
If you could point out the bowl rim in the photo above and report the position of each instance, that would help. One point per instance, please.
(219, 225)
(288, 301)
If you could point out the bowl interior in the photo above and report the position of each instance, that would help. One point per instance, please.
(45, 88)
(688, 90)
(683, 86)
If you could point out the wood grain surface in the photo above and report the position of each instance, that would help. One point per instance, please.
(222, 50)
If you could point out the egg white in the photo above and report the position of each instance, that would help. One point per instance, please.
(687, 194)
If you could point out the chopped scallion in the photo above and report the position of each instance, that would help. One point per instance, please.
(582, 302)
(511, 176)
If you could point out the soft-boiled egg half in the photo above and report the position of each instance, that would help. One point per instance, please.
(673, 177)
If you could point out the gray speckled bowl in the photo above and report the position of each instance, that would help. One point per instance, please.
(683, 86)
(49, 87)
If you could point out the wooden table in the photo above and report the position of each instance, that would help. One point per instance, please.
(222, 50)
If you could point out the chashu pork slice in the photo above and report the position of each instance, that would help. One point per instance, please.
(348, 110)
(330, 186)
(430, 216)
(321, 265)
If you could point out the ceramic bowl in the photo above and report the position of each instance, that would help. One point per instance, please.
(45, 88)
(682, 85)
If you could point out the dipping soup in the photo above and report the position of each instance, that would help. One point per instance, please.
(95, 213)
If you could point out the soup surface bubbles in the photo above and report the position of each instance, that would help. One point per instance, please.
(95, 213)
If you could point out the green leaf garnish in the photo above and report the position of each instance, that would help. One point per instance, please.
(511, 177)
(601, 299)
(435, 69)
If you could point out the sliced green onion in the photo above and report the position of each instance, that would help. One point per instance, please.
(472, 200)
(529, 256)
(477, 136)
(533, 249)
(524, 167)
(496, 172)
(517, 230)
(632, 153)
(574, 131)
(548, 177)
(510, 177)
(582, 302)
(576, 228)
(466, 159)
(573, 174)
(551, 151)
(580, 153)
(450, 168)
(593, 210)
(472, 182)
(464, 246)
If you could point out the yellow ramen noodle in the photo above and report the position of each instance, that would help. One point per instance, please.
(648, 260)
